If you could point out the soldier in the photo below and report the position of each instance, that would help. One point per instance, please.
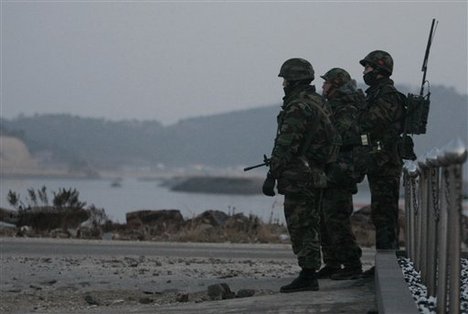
(302, 147)
(382, 122)
(338, 242)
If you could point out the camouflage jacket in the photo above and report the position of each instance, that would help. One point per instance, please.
(304, 137)
(344, 103)
(382, 120)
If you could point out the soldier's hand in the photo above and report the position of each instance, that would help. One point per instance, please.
(268, 187)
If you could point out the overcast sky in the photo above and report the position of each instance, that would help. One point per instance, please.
(169, 60)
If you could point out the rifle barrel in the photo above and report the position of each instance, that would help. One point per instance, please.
(256, 166)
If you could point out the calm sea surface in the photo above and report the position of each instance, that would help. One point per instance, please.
(135, 194)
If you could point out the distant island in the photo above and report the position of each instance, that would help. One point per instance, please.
(216, 185)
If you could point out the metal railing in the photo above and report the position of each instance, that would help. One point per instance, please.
(433, 207)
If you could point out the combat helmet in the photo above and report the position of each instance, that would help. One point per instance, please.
(297, 69)
(379, 60)
(337, 76)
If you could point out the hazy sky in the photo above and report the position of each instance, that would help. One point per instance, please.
(169, 60)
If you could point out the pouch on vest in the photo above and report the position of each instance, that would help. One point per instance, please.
(341, 172)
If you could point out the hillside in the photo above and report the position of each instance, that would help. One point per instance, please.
(15, 157)
(225, 140)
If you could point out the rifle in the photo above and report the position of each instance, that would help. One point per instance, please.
(266, 162)
(417, 107)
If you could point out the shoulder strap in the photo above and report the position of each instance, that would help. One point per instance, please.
(335, 137)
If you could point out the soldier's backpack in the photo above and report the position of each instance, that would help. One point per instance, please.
(417, 113)
(415, 118)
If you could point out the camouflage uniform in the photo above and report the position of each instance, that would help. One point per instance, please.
(382, 121)
(303, 145)
(338, 242)
(302, 120)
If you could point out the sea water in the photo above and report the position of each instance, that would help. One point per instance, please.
(134, 194)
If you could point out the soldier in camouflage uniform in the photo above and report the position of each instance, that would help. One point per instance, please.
(338, 242)
(303, 145)
(382, 122)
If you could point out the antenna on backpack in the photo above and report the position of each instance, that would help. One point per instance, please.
(417, 106)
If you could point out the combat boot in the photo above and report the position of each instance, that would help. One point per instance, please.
(327, 271)
(348, 273)
(369, 273)
(306, 281)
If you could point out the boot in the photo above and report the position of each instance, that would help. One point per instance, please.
(327, 271)
(307, 281)
(368, 273)
(348, 273)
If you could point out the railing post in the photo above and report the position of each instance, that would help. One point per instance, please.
(408, 209)
(454, 156)
(414, 219)
(423, 218)
(411, 172)
(433, 207)
(417, 222)
(442, 246)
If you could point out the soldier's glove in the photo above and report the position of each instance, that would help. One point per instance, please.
(268, 187)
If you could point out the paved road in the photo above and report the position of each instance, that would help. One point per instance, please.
(63, 247)
(49, 247)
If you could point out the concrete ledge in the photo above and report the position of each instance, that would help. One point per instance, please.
(392, 293)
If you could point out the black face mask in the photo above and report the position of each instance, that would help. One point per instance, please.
(293, 84)
(370, 78)
(288, 89)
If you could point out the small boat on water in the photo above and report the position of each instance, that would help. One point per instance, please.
(117, 183)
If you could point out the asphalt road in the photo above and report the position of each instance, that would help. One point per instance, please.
(63, 247)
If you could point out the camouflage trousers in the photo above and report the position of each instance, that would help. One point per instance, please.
(338, 242)
(302, 215)
(384, 210)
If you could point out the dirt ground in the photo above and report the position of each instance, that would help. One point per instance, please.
(65, 283)
(31, 283)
